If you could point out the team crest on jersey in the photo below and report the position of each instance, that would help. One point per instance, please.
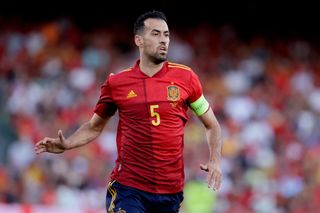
(121, 211)
(173, 93)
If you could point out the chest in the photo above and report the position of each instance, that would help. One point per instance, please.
(150, 90)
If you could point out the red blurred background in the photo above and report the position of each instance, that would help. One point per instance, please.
(259, 66)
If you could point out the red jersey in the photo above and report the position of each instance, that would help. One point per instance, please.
(152, 116)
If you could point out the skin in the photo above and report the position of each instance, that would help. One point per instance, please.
(153, 43)
(214, 139)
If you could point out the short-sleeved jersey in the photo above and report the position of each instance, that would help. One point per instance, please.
(152, 116)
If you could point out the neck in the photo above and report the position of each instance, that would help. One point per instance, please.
(149, 68)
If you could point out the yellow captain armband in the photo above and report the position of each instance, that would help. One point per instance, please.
(200, 106)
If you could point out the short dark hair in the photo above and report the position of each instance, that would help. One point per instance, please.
(139, 24)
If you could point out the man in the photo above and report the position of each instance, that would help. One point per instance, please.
(152, 98)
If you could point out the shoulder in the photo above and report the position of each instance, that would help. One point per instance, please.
(172, 65)
(125, 70)
(114, 79)
(181, 70)
(121, 74)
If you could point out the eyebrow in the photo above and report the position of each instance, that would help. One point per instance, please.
(158, 31)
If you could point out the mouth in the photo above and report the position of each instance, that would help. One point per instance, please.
(163, 48)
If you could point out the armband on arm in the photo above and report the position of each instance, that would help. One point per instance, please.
(200, 106)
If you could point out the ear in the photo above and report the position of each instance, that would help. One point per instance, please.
(138, 40)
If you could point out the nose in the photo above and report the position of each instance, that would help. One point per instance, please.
(164, 40)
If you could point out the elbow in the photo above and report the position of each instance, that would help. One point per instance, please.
(213, 127)
(97, 129)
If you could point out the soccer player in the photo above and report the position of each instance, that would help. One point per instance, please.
(152, 99)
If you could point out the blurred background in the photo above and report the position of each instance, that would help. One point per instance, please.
(259, 66)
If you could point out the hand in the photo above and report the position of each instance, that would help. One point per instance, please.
(53, 145)
(214, 176)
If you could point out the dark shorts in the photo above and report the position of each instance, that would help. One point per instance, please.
(124, 199)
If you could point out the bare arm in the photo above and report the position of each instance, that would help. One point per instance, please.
(85, 134)
(214, 138)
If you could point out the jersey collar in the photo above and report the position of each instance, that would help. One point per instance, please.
(158, 74)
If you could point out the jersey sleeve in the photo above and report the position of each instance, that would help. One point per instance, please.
(197, 102)
(105, 106)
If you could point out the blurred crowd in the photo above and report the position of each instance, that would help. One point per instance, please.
(264, 91)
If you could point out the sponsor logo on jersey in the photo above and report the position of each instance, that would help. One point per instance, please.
(173, 93)
(131, 94)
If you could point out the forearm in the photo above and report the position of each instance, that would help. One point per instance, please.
(214, 138)
(214, 135)
(85, 134)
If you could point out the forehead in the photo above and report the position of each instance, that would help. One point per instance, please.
(155, 24)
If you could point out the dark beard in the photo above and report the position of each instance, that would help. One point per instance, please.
(157, 60)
